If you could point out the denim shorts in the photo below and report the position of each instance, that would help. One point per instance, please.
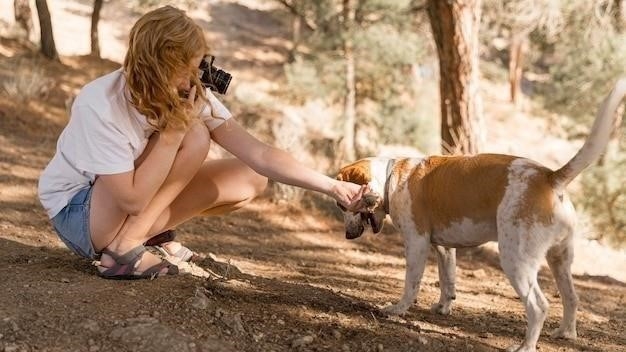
(72, 224)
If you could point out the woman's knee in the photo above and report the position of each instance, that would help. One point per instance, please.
(197, 141)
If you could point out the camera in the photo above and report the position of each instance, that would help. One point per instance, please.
(212, 77)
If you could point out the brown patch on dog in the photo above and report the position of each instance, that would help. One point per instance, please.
(449, 188)
(358, 172)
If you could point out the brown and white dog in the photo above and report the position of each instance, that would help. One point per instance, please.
(460, 201)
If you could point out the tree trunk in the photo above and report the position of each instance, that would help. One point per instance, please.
(23, 15)
(95, 18)
(619, 16)
(517, 52)
(348, 152)
(48, 48)
(455, 30)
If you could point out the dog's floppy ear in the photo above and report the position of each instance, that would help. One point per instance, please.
(358, 172)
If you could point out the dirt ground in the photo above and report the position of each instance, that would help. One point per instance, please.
(273, 277)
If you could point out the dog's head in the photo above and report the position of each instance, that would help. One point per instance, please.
(369, 210)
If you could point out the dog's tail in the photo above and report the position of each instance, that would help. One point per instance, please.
(596, 141)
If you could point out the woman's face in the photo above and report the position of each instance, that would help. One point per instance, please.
(181, 79)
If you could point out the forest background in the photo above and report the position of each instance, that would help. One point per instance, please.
(332, 81)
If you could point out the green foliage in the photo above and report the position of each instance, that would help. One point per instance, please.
(584, 62)
(604, 198)
(587, 68)
(388, 49)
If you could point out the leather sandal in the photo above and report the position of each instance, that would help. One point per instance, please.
(165, 236)
(183, 254)
(124, 267)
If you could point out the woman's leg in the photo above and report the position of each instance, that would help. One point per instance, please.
(219, 186)
(113, 229)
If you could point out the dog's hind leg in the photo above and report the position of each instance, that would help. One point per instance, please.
(416, 248)
(446, 264)
(560, 260)
(519, 257)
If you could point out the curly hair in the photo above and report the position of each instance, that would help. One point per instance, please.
(162, 44)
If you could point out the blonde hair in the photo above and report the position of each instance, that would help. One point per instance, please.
(162, 43)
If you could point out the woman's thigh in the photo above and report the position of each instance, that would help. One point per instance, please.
(227, 183)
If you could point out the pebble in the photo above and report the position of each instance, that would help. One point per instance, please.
(337, 334)
(11, 347)
(302, 341)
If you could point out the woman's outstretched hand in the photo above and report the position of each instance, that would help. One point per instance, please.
(348, 194)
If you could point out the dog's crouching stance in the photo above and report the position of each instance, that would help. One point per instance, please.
(461, 201)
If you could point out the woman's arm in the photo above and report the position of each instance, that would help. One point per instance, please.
(279, 165)
(134, 189)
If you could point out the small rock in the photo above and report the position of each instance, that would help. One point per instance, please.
(479, 274)
(303, 341)
(65, 280)
(11, 347)
(337, 334)
(486, 335)
(422, 340)
(379, 347)
(219, 312)
(90, 325)
(199, 300)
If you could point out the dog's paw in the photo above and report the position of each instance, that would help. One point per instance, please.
(394, 309)
(563, 333)
(439, 308)
(518, 348)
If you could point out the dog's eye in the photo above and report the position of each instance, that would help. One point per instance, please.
(341, 207)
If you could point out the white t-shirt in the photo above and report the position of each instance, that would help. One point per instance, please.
(104, 136)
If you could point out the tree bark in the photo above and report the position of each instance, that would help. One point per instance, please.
(95, 18)
(48, 48)
(455, 30)
(517, 52)
(349, 150)
(296, 30)
(619, 15)
(23, 15)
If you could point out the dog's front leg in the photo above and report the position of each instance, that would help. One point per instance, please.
(416, 248)
(446, 263)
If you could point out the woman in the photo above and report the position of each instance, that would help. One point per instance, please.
(130, 164)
